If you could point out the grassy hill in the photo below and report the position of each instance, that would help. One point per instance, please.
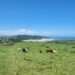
(15, 62)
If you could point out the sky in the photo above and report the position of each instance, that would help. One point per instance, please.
(37, 17)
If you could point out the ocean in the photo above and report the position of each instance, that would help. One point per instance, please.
(63, 38)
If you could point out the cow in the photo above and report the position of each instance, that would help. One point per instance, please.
(51, 51)
(24, 49)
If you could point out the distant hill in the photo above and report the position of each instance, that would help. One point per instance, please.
(17, 38)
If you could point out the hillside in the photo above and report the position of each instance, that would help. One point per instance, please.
(18, 38)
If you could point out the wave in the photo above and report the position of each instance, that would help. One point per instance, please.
(40, 40)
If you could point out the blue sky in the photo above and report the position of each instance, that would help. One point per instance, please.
(40, 17)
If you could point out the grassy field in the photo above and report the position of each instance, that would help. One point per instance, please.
(15, 62)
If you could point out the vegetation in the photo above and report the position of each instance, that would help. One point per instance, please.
(13, 61)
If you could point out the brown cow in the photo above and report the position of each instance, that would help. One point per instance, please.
(51, 51)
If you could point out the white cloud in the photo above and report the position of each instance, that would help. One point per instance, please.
(16, 32)
(24, 31)
(28, 31)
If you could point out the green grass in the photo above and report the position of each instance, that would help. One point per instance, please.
(16, 62)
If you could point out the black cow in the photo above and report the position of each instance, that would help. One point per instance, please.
(24, 49)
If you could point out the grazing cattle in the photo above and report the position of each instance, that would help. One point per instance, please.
(50, 51)
(24, 49)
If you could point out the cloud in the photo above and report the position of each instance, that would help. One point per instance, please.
(28, 31)
(24, 31)
(16, 32)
